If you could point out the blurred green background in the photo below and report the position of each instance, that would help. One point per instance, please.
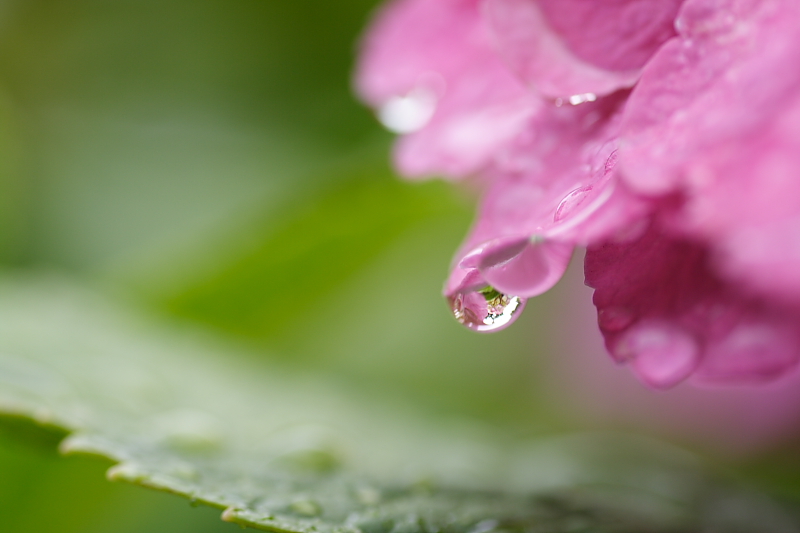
(207, 163)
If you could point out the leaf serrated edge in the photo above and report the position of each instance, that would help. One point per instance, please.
(245, 517)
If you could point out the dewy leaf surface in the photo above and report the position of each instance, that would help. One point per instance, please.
(289, 453)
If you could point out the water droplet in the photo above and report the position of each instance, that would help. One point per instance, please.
(408, 113)
(410, 523)
(313, 460)
(662, 354)
(306, 508)
(308, 447)
(576, 99)
(571, 202)
(368, 495)
(680, 25)
(125, 472)
(190, 430)
(484, 526)
(613, 319)
(486, 309)
(43, 416)
(229, 514)
(610, 163)
(184, 471)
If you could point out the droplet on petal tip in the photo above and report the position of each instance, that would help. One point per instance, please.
(408, 113)
(485, 310)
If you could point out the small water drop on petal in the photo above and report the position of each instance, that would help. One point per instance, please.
(662, 355)
(486, 309)
(576, 99)
(408, 113)
(613, 319)
(571, 202)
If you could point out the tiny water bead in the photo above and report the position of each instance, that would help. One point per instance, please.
(305, 507)
(576, 99)
(614, 319)
(571, 202)
(486, 309)
(408, 113)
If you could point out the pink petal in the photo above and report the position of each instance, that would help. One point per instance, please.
(725, 78)
(554, 190)
(662, 309)
(570, 48)
(412, 38)
(734, 420)
(715, 121)
(473, 122)
(520, 266)
(556, 172)
(433, 60)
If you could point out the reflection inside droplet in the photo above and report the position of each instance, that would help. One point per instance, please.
(408, 113)
(486, 309)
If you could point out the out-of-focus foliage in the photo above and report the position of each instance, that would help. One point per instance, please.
(290, 454)
(160, 119)
(208, 162)
(42, 491)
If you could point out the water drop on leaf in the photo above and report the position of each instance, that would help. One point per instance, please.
(306, 508)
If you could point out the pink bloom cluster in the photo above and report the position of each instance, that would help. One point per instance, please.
(662, 135)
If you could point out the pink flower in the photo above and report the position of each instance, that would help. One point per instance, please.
(664, 136)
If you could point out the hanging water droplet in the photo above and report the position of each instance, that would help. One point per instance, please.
(571, 202)
(408, 113)
(486, 309)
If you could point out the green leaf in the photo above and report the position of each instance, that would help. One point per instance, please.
(287, 452)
